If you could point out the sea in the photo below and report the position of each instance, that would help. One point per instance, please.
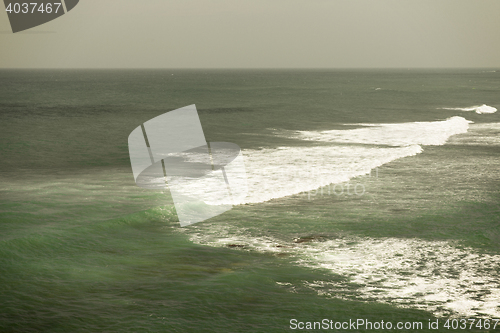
(372, 195)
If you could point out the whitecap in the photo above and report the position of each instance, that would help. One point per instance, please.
(398, 134)
(479, 109)
(434, 276)
(284, 171)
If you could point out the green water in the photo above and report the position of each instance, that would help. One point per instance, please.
(82, 249)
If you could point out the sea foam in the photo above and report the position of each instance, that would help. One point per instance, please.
(434, 276)
(401, 134)
(279, 172)
(276, 173)
(480, 109)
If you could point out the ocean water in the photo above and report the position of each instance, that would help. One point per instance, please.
(372, 194)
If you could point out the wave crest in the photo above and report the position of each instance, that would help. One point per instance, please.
(434, 133)
(479, 109)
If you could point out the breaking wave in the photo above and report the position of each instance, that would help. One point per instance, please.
(279, 172)
(479, 109)
(273, 173)
(402, 134)
(433, 276)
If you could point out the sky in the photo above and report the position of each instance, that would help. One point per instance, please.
(261, 34)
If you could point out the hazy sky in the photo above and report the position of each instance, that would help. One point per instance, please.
(260, 33)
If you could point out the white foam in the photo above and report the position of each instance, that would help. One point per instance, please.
(479, 109)
(431, 276)
(276, 173)
(399, 134)
(284, 171)
(280, 172)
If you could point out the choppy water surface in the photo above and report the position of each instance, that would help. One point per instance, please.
(371, 194)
